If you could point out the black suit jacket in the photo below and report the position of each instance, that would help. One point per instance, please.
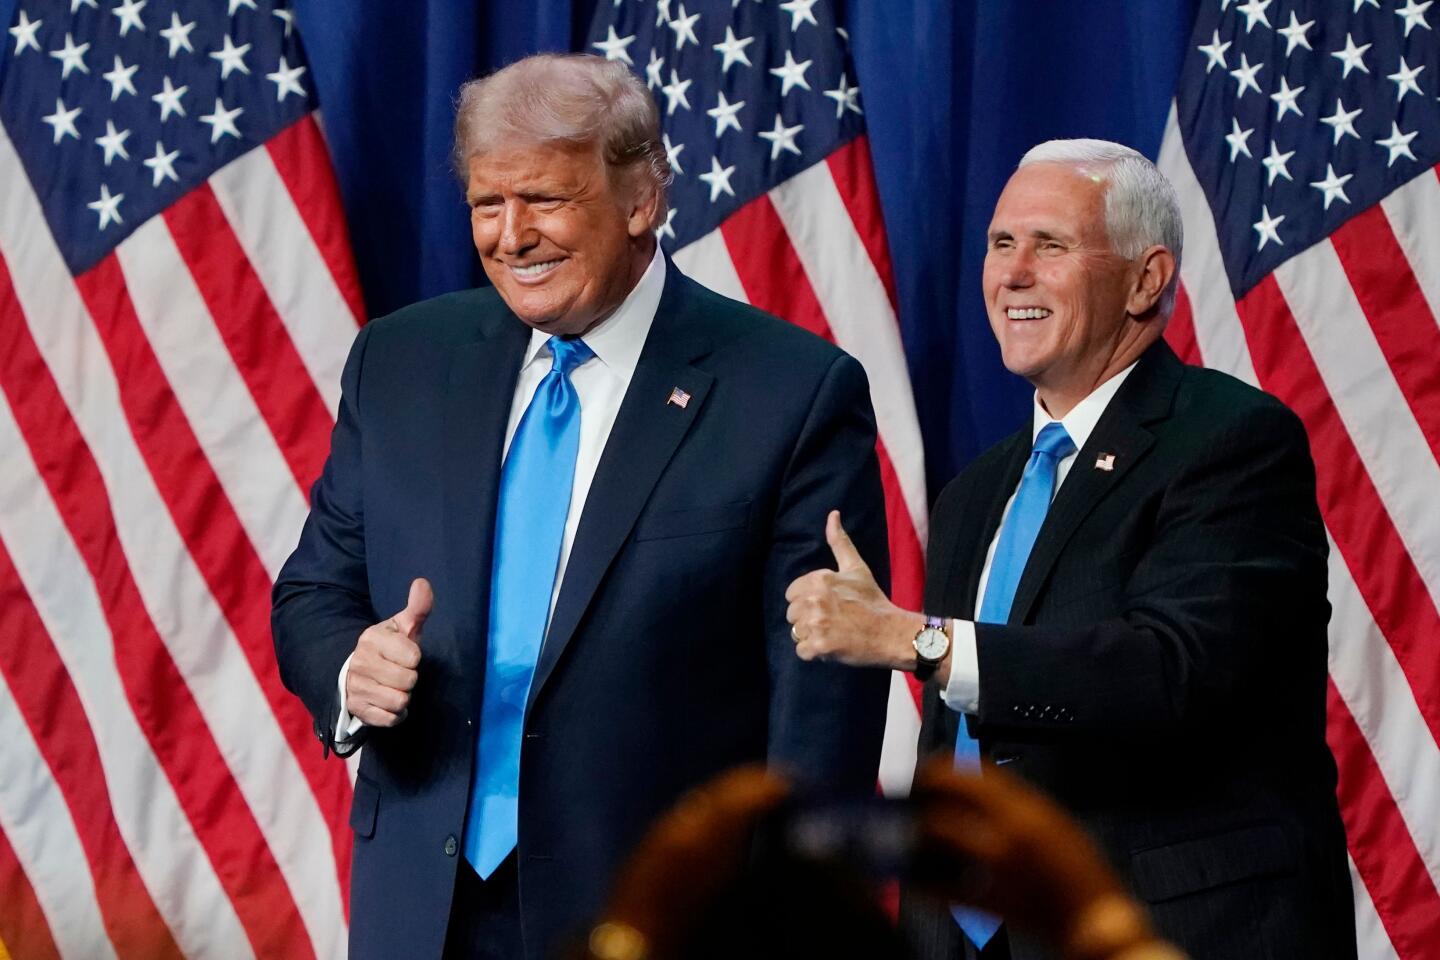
(668, 657)
(1163, 672)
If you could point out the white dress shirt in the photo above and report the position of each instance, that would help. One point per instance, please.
(962, 693)
(601, 383)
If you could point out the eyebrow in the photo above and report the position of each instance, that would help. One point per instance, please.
(1036, 234)
(529, 192)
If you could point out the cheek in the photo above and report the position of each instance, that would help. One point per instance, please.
(1067, 292)
(600, 251)
(570, 228)
(990, 278)
(497, 274)
(999, 325)
(483, 233)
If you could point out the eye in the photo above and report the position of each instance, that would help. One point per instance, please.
(542, 201)
(1001, 243)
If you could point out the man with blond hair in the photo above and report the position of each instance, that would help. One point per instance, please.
(1126, 599)
(543, 576)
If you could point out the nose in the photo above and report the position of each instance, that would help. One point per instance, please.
(517, 228)
(1018, 268)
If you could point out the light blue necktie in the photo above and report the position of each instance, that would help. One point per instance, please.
(529, 525)
(1017, 537)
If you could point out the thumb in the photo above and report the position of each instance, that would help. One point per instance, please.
(847, 558)
(417, 608)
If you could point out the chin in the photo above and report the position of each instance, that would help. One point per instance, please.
(553, 323)
(537, 311)
(1023, 366)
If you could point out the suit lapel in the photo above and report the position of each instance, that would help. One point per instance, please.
(1121, 434)
(479, 391)
(995, 490)
(647, 431)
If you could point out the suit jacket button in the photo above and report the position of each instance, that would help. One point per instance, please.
(451, 845)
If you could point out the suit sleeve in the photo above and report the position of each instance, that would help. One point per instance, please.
(827, 720)
(1220, 611)
(321, 602)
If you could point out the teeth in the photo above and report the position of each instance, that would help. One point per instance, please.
(535, 269)
(1027, 313)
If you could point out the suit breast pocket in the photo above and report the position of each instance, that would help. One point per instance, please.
(668, 524)
(1101, 580)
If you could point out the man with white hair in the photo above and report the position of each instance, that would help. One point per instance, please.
(1126, 600)
(584, 489)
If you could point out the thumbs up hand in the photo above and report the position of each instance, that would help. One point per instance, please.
(843, 615)
(384, 666)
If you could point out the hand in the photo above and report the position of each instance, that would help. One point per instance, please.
(688, 861)
(843, 614)
(383, 668)
(996, 843)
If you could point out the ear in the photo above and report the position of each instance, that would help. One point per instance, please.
(645, 211)
(1156, 266)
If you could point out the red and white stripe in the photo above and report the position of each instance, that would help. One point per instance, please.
(161, 418)
(1346, 334)
(813, 251)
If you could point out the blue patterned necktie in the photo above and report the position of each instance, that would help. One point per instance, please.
(1017, 537)
(530, 517)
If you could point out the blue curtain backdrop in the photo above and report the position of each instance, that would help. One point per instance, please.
(954, 93)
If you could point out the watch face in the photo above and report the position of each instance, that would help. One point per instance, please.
(931, 644)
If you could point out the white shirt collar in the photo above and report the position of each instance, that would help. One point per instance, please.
(618, 339)
(1080, 421)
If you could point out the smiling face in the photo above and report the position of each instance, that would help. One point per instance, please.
(1061, 303)
(560, 239)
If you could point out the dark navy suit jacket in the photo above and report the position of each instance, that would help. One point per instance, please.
(1163, 671)
(668, 657)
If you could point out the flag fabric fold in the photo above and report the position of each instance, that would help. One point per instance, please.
(1303, 143)
(176, 302)
(774, 204)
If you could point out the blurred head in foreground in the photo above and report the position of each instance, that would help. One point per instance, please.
(742, 868)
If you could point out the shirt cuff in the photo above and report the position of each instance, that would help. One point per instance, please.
(345, 725)
(962, 693)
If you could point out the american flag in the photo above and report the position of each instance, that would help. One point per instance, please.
(176, 302)
(774, 204)
(1303, 141)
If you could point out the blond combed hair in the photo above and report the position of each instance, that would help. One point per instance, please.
(565, 98)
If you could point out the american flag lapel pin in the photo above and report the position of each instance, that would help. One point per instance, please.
(678, 397)
(1106, 462)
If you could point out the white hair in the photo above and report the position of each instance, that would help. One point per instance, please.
(1141, 209)
(573, 98)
